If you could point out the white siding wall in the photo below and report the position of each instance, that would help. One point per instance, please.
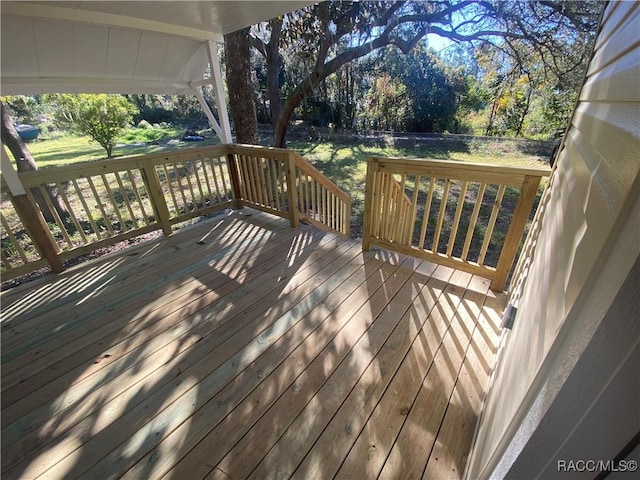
(588, 223)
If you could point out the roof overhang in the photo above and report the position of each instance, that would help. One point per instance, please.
(117, 46)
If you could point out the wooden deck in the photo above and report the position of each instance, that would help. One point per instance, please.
(242, 348)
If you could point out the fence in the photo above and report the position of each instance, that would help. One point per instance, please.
(101, 203)
(447, 212)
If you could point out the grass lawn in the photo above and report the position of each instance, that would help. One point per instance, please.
(67, 149)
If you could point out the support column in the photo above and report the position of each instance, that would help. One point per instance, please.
(216, 82)
(207, 111)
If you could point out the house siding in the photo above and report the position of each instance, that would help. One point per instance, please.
(584, 226)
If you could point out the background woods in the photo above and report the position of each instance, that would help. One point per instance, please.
(482, 68)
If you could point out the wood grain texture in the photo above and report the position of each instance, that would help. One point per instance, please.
(239, 347)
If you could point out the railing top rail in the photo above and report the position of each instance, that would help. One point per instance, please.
(305, 166)
(459, 170)
(61, 173)
(246, 149)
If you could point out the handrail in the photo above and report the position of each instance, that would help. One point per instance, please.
(320, 201)
(108, 201)
(448, 211)
(309, 169)
(282, 182)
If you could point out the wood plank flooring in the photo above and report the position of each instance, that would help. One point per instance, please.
(242, 348)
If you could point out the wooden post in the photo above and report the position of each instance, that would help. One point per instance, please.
(33, 221)
(292, 191)
(347, 221)
(156, 196)
(516, 229)
(235, 181)
(369, 194)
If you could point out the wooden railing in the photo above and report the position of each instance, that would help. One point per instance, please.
(468, 216)
(109, 201)
(275, 179)
(319, 201)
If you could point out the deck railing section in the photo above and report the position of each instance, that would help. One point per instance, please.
(275, 179)
(190, 183)
(320, 201)
(263, 178)
(20, 254)
(447, 212)
(109, 201)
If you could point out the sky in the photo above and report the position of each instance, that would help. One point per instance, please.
(437, 42)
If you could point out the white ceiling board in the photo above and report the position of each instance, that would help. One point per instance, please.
(151, 52)
(201, 19)
(53, 40)
(122, 54)
(91, 44)
(18, 36)
(140, 46)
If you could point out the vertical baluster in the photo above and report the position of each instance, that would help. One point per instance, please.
(443, 207)
(257, 174)
(376, 216)
(268, 181)
(246, 178)
(204, 163)
(456, 220)
(219, 187)
(414, 210)
(203, 200)
(473, 221)
(100, 206)
(227, 186)
(167, 178)
(54, 212)
(281, 166)
(62, 194)
(276, 188)
(125, 200)
(187, 176)
(14, 241)
(145, 217)
(87, 210)
(300, 186)
(386, 201)
(307, 192)
(427, 212)
(114, 204)
(491, 225)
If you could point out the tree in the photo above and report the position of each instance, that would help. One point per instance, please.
(329, 35)
(243, 109)
(26, 163)
(103, 117)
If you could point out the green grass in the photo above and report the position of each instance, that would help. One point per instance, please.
(68, 149)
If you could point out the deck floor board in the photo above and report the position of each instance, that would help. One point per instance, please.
(241, 348)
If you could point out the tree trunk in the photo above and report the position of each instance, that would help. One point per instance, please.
(243, 109)
(294, 99)
(274, 64)
(26, 163)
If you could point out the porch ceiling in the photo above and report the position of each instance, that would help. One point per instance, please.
(117, 46)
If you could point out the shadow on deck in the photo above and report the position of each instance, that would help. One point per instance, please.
(240, 347)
